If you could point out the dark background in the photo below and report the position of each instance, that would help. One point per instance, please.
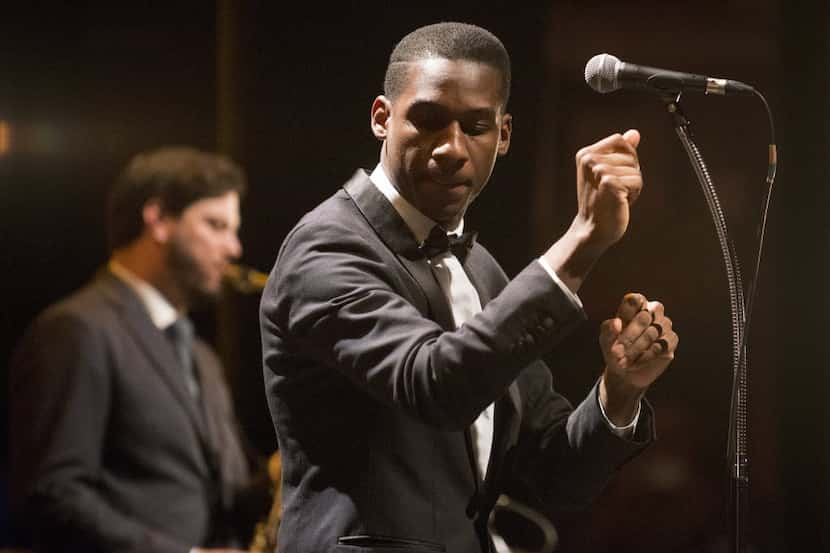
(286, 92)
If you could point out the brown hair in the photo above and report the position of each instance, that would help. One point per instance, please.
(175, 176)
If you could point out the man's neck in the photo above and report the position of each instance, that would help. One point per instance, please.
(149, 267)
(418, 223)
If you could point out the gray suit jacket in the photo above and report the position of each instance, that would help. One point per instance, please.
(372, 390)
(109, 452)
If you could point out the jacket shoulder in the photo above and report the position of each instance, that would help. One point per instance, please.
(88, 305)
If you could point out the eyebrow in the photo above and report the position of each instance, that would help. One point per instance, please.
(420, 105)
(223, 220)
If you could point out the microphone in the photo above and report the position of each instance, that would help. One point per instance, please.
(606, 73)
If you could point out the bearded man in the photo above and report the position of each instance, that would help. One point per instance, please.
(123, 436)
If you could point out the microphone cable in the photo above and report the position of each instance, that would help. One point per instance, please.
(740, 400)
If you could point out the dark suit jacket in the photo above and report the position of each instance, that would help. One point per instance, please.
(372, 390)
(109, 452)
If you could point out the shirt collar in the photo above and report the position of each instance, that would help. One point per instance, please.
(161, 312)
(418, 223)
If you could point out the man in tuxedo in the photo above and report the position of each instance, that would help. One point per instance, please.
(402, 367)
(123, 436)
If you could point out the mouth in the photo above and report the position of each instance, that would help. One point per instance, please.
(222, 268)
(452, 183)
(451, 191)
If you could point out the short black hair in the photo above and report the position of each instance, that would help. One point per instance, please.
(176, 176)
(448, 40)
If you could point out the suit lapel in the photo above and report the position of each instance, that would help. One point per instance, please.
(439, 308)
(394, 232)
(206, 399)
(507, 412)
(155, 346)
(506, 423)
(218, 454)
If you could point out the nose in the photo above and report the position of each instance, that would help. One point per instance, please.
(234, 247)
(451, 151)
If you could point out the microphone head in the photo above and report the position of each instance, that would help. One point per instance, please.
(601, 73)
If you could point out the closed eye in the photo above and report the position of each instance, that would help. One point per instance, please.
(477, 127)
(478, 121)
(428, 116)
(432, 117)
(216, 224)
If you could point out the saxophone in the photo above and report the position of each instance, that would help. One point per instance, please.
(265, 532)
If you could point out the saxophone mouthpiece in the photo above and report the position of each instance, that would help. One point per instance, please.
(245, 280)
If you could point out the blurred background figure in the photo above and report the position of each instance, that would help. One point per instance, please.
(123, 433)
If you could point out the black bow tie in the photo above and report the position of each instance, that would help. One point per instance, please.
(439, 242)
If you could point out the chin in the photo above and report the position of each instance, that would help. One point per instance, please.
(204, 294)
(449, 220)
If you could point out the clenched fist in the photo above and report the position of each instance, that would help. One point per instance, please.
(608, 182)
(637, 345)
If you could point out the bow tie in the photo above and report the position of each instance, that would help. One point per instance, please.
(439, 242)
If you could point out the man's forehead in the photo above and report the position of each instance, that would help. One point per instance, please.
(433, 77)
(225, 206)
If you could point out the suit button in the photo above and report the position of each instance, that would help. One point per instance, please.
(548, 322)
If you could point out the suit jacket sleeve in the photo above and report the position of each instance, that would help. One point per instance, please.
(60, 400)
(564, 456)
(333, 295)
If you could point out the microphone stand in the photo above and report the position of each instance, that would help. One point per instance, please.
(738, 450)
(505, 505)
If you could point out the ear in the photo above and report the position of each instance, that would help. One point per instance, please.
(379, 118)
(505, 131)
(156, 224)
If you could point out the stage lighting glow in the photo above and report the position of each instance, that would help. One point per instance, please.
(5, 138)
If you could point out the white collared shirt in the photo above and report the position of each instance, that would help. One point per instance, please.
(161, 312)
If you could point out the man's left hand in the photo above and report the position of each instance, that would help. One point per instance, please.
(637, 345)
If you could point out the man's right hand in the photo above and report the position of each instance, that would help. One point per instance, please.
(608, 182)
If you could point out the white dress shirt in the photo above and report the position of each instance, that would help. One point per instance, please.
(161, 312)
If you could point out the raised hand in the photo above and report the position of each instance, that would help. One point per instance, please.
(608, 181)
(637, 345)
